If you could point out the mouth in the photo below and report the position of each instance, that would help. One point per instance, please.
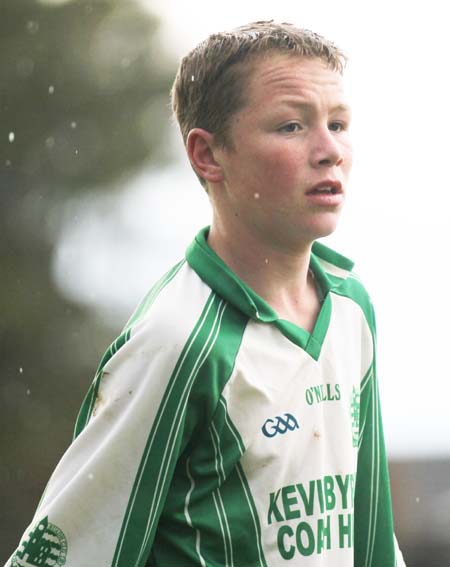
(326, 194)
(327, 187)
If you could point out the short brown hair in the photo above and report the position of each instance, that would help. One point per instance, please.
(208, 88)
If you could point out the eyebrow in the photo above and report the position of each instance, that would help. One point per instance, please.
(306, 105)
(341, 108)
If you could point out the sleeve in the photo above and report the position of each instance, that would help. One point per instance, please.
(375, 543)
(102, 504)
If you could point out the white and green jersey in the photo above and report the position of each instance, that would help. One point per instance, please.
(216, 434)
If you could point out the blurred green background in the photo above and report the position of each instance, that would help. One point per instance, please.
(84, 109)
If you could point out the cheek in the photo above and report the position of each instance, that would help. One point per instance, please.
(347, 153)
(282, 167)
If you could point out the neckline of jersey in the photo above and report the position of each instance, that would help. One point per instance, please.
(218, 275)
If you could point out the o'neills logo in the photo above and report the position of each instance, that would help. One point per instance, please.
(46, 544)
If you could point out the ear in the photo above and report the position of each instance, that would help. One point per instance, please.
(200, 144)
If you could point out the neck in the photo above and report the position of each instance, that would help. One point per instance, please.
(280, 277)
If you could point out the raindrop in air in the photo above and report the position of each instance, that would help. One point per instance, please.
(50, 142)
(32, 26)
(51, 89)
(28, 392)
(11, 137)
(73, 124)
(21, 370)
(256, 195)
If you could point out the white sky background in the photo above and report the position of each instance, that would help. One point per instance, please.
(395, 225)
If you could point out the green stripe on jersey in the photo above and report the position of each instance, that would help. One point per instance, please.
(218, 523)
(233, 507)
(204, 366)
(87, 407)
(373, 516)
(148, 300)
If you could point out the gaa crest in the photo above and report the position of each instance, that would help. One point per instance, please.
(45, 545)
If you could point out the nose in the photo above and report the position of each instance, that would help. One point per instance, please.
(327, 151)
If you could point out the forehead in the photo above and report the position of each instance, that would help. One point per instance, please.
(279, 75)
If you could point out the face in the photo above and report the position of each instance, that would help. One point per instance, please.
(285, 176)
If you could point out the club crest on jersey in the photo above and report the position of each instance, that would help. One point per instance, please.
(279, 425)
(46, 544)
(354, 412)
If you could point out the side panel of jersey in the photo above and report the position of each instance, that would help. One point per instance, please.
(374, 539)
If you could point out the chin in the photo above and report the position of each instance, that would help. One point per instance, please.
(324, 226)
(325, 232)
(319, 231)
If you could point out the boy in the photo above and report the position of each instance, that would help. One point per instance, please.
(235, 421)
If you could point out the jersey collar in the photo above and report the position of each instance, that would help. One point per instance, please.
(329, 267)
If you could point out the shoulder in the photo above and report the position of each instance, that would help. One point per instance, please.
(180, 316)
(182, 338)
(342, 279)
(176, 298)
(165, 318)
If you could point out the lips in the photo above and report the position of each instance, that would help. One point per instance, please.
(327, 193)
(326, 187)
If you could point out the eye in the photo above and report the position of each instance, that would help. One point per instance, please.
(291, 128)
(336, 127)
